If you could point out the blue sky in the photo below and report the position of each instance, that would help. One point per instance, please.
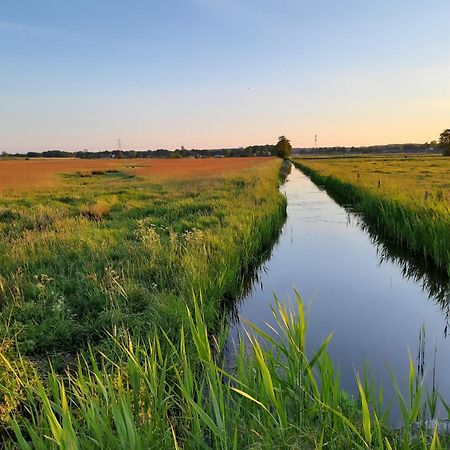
(221, 73)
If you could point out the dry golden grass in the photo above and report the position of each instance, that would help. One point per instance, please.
(24, 175)
(95, 211)
(193, 168)
(411, 178)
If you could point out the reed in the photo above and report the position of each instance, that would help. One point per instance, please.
(112, 254)
(276, 397)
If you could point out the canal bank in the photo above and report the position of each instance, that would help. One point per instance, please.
(378, 304)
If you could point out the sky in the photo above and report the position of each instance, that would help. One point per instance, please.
(81, 74)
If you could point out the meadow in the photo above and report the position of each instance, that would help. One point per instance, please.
(116, 283)
(100, 243)
(43, 174)
(406, 197)
(94, 247)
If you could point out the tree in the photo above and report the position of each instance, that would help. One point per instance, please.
(283, 147)
(444, 142)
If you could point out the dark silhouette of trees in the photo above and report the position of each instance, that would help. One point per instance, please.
(444, 142)
(283, 147)
(253, 150)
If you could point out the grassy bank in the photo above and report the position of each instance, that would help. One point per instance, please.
(123, 280)
(406, 198)
(106, 249)
(99, 251)
(277, 399)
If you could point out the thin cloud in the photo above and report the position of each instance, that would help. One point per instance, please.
(14, 27)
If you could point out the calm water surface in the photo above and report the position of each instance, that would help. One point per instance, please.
(373, 300)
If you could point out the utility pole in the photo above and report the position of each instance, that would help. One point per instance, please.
(119, 145)
(315, 141)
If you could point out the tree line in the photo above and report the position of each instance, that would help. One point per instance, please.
(433, 147)
(389, 148)
(282, 148)
(253, 150)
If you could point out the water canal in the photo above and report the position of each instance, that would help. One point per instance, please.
(373, 299)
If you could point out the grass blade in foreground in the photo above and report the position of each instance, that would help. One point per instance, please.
(274, 399)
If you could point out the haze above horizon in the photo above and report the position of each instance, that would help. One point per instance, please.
(222, 73)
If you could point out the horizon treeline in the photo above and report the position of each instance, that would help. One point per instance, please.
(388, 148)
(253, 150)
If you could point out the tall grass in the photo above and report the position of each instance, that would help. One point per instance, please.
(103, 254)
(273, 399)
(64, 252)
(422, 228)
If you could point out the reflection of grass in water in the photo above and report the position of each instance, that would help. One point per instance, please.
(277, 398)
(413, 212)
(434, 282)
(251, 276)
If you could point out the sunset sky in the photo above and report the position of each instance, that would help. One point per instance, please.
(222, 73)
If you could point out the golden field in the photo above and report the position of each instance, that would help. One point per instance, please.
(22, 175)
(412, 178)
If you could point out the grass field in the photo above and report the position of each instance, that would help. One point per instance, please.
(404, 177)
(99, 246)
(408, 197)
(20, 175)
(121, 273)
(91, 247)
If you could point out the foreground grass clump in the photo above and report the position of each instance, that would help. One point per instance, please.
(277, 399)
(407, 198)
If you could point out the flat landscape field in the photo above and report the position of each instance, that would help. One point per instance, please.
(405, 177)
(18, 175)
(118, 279)
(90, 246)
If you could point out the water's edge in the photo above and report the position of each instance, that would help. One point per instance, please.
(370, 294)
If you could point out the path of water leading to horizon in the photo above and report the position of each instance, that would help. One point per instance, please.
(374, 302)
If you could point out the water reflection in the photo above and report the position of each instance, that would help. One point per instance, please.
(434, 283)
(373, 296)
(251, 275)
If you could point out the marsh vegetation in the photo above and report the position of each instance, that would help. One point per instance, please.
(114, 285)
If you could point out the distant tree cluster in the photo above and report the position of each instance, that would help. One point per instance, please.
(444, 142)
(254, 150)
(283, 147)
(431, 147)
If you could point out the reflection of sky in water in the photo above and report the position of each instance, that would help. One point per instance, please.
(372, 300)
